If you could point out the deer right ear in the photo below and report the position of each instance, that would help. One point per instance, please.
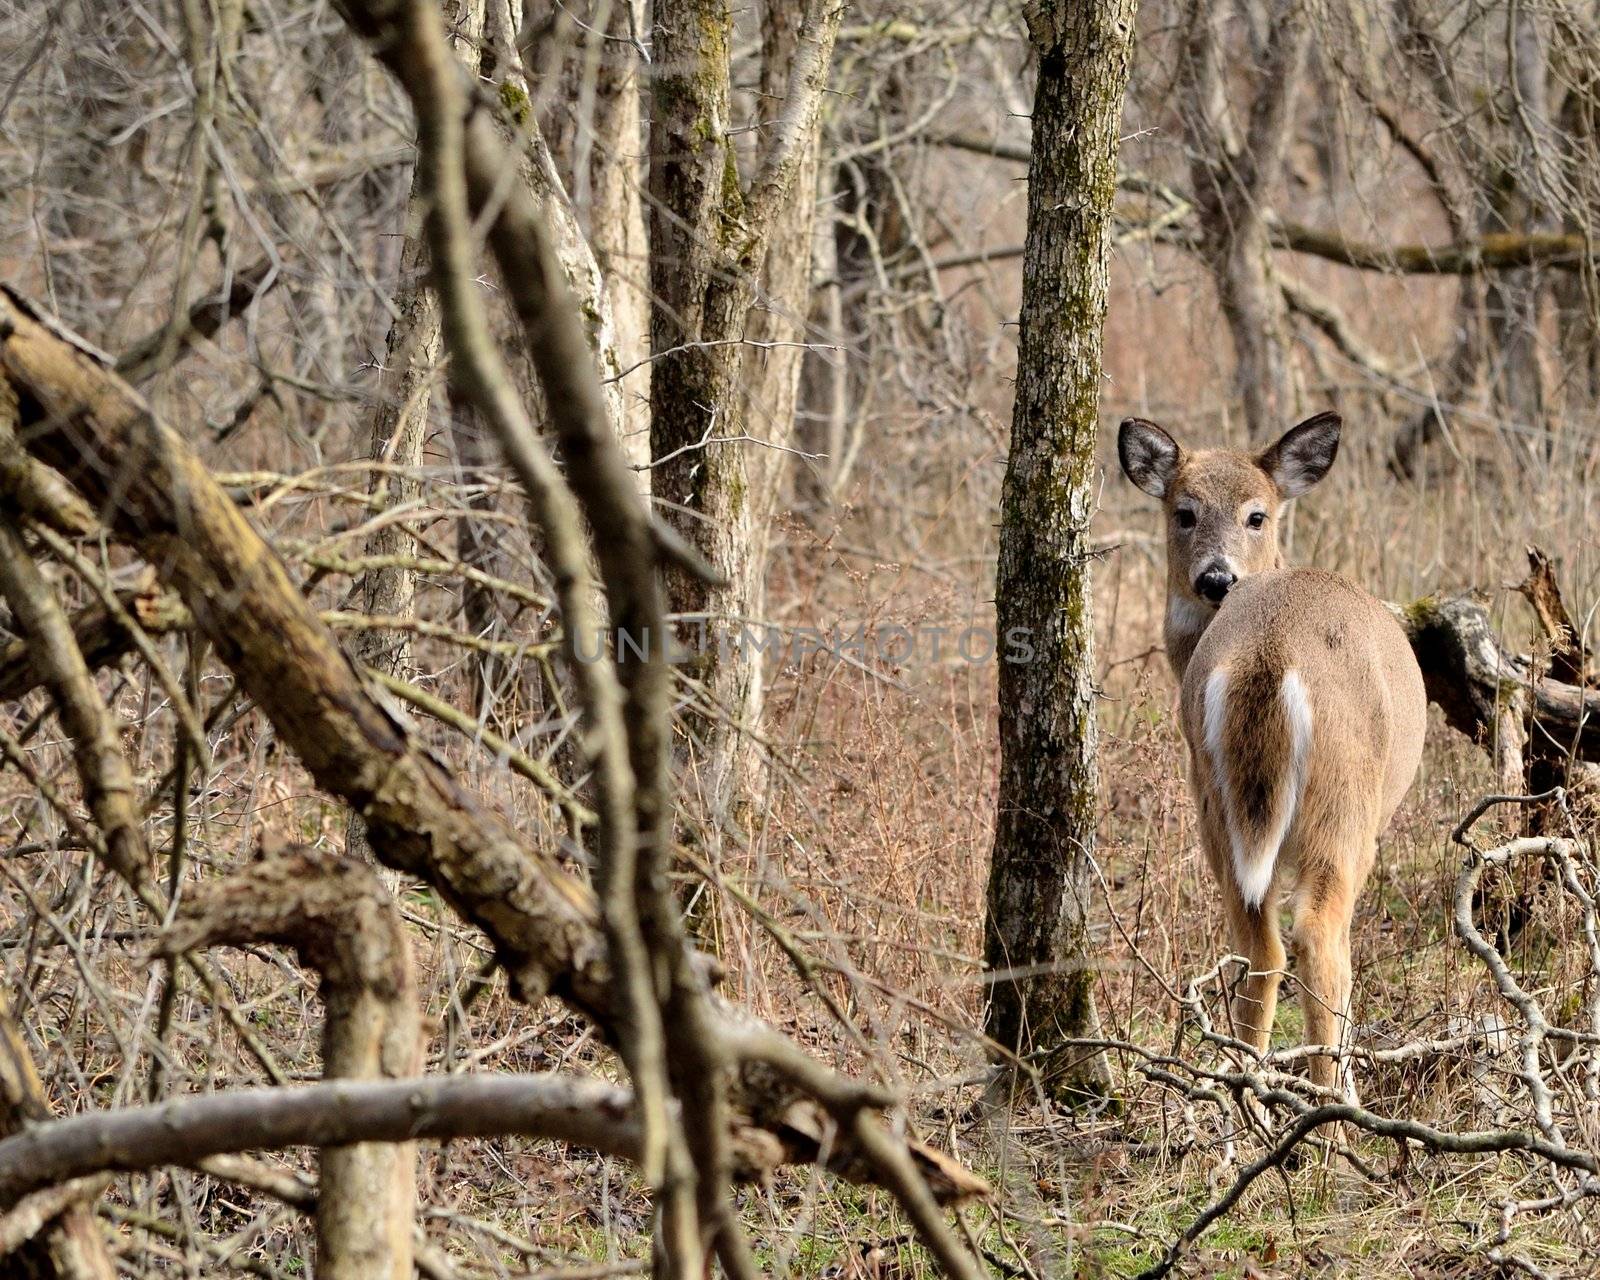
(1149, 456)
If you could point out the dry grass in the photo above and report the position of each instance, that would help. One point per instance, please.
(861, 892)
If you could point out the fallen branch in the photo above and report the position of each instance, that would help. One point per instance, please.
(1502, 251)
(586, 1113)
(1310, 1110)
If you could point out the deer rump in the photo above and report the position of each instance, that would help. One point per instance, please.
(1257, 733)
(1304, 714)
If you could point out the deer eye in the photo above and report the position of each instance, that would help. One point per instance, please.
(1184, 517)
(1256, 519)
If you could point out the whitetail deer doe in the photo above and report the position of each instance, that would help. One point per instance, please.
(1302, 706)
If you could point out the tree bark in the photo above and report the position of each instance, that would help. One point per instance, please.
(1231, 180)
(1036, 939)
(711, 234)
(1474, 681)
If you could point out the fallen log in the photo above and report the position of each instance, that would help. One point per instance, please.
(1473, 679)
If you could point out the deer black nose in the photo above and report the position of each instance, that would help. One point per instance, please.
(1213, 584)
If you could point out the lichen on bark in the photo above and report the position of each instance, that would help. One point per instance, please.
(1036, 940)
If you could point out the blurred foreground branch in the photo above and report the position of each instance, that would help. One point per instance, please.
(587, 1113)
(343, 923)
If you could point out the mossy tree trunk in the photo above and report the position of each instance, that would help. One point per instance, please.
(712, 237)
(1040, 885)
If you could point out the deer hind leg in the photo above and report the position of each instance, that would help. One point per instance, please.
(1322, 911)
(1256, 937)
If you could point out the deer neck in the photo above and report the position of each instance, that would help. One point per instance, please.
(1186, 622)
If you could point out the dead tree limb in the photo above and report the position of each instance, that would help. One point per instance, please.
(100, 635)
(1495, 251)
(204, 320)
(1473, 679)
(586, 1113)
(1569, 659)
(107, 778)
(154, 492)
(421, 59)
(30, 487)
(341, 921)
(108, 782)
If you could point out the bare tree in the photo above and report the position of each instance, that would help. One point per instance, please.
(1036, 935)
(1233, 176)
(718, 245)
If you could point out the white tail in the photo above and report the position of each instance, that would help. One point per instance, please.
(1255, 846)
(1302, 705)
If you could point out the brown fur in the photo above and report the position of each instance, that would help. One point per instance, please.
(1363, 710)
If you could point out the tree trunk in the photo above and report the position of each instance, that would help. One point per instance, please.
(616, 223)
(1231, 178)
(1036, 940)
(1523, 196)
(711, 237)
(1576, 294)
(341, 920)
(580, 261)
(836, 387)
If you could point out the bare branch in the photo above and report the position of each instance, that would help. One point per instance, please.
(586, 1113)
(340, 919)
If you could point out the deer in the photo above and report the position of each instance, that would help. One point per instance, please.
(1302, 706)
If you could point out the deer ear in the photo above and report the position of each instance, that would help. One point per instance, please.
(1304, 454)
(1149, 456)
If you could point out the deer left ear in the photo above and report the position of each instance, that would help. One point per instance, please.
(1304, 455)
